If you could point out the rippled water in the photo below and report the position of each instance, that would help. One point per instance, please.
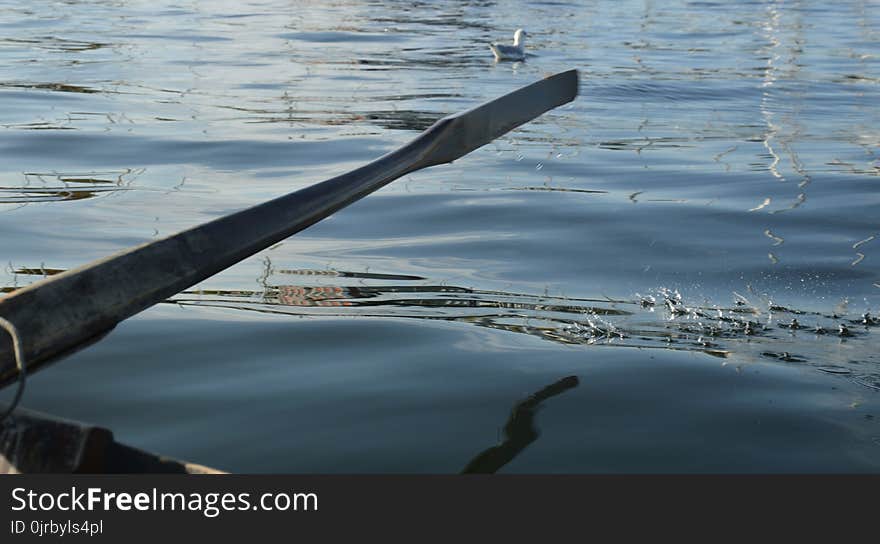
(695, 238)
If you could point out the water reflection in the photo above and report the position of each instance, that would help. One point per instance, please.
(389, 119)
(67, 186)
(519, 431)
(53, 43)
(662, 319)
(57, 87)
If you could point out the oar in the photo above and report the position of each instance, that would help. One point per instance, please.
(66, 311)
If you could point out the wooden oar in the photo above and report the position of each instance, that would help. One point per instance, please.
(64, 312)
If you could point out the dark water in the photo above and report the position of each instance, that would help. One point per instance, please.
(687, 238)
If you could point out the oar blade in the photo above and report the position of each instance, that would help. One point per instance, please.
(461, 133)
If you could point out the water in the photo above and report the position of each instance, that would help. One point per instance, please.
(717, 179)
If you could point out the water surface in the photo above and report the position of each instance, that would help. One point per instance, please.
(695, 238)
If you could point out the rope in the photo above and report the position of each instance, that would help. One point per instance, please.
(19, 363)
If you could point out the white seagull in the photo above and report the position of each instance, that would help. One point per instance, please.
(510, 52)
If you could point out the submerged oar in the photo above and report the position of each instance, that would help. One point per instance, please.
(62, 313)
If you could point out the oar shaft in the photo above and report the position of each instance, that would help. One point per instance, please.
(69, 308)
(66, 311)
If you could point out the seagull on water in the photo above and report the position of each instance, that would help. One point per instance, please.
(510, 52)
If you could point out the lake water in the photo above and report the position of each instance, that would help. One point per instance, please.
(687, 237)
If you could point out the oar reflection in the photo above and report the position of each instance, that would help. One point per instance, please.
(519, 431)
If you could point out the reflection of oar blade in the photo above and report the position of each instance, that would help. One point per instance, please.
(62, 313)
(519, 431)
